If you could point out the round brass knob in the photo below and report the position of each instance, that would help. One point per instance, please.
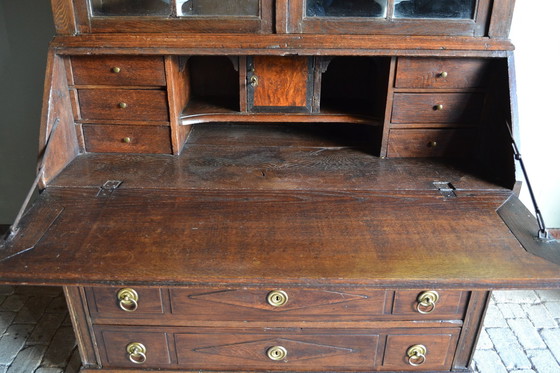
(277, 353)
(123, 105)
(416, 355)
(432, 144)
(277, 298)
(426, 302)
(136, 353)
(443, 74)
(438, 107)
(127, 140)
(116, 69)
(128, 299)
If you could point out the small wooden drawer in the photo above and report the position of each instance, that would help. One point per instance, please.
(442, 72)
(125, 301)
(430, 304)
(437, 107)
(291, 304)
(123, 104)
(101, 138)
(431, 142)
(420, 350)
(118, 70)
(133, 347)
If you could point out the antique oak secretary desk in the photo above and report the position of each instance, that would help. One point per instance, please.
(289, 185)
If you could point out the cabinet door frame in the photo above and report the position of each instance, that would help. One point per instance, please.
(86, 23)
(300, 23)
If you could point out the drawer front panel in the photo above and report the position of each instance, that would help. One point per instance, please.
(431, 304)
(277, 351)
(439, 350)
(300, 304)
(430, 142)
(123, 104)
(442, 72)
(127, 139)
(123, 301)
(437, 107)
(118, 70)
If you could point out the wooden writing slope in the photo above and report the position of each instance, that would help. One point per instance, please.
(289, 185)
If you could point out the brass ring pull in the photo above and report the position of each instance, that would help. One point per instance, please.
(426, 302)
(128, 299)
(277, 353)
(416, 355)
(136, 353)
(277, 298)
(116, 69)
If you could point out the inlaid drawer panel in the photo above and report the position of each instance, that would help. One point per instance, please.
(127, 139)
(442, 72)
(125, 301)
(437, 107)
(441, 304)
(119, 70)
(430, 142)
(279, 304)
(123, 104)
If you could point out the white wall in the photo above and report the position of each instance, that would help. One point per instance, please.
(537, 56)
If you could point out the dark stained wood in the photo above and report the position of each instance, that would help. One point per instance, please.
(451, 304)
(388, 108)
(57, 123)
(424, 107)
(127, 139)
(133, 70)
(178, 95)
(63, 15)
(431, 142)
(106, 104)
(502, 15)
(104, 300)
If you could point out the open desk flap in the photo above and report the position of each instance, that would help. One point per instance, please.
(181, 237)
(524, 226)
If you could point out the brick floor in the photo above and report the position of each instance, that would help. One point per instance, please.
(521, 333)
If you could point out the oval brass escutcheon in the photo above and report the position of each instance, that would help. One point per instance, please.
(136, 353)
(277, 353)
(426, 301)
(277, 298)
(416, 355)
(128, 299)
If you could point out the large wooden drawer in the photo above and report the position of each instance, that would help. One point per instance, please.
(119, 70)
(437, 107)
(123, 105)
(101, 138)
(431, 142)
(442, 72)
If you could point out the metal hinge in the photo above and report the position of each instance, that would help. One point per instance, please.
(108, 188)
(446, 189)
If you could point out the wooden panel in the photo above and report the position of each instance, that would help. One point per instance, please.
(306, 350)
(283, 84)
(502, 15)
(425, 107)
(178, 95)
(427, 72)
(123, 104)
(63, 15)
(104, 300)
(302, 304)
(127, 139)
(451, 304)
(132, 70)
(431, 142)
(440, 346)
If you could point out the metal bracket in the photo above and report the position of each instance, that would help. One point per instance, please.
(446, 189)
(108, 188)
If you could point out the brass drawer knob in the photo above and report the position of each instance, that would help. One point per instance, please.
(432, 144)
(416, 355)
(426, 302)
(128, 299)
(123, 105)
(277, 298)
(127, 140)
(277, 353)
(116, 69)
(136, 353)
(438, 107)
(443, 74)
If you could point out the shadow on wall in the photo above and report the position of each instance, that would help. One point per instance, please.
(26, 27)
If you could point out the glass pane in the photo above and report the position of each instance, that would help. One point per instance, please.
(346, 8)
(130, 7)
(217, 8)
(435, 8)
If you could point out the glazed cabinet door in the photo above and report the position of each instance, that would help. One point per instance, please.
(235, 16)
(417, 17)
